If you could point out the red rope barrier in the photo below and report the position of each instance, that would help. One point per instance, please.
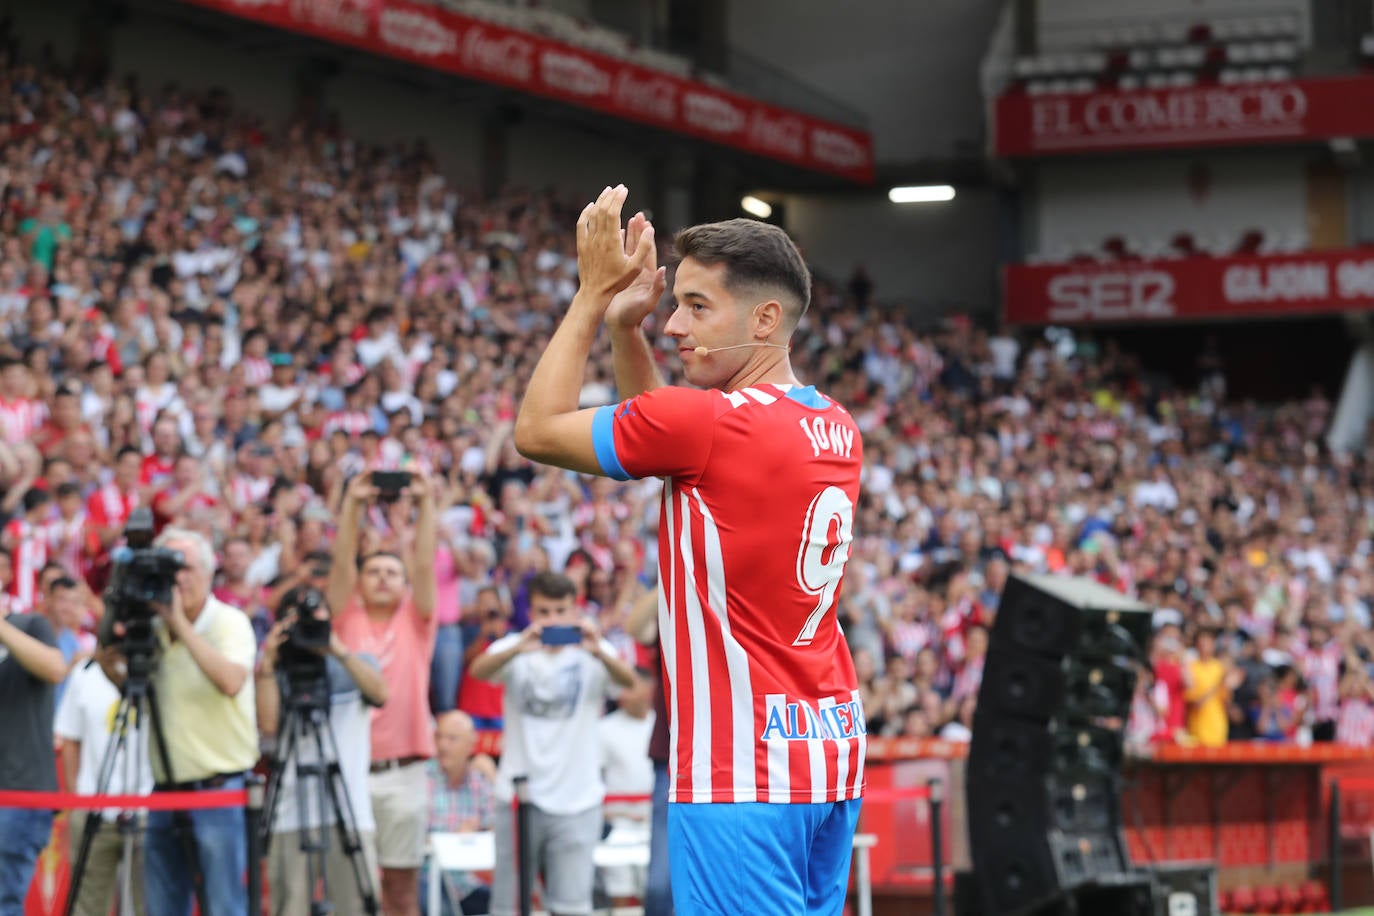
(158, 801)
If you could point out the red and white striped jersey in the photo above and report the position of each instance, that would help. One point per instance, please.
(110, 508)
(256, 371)
(20, 417)
(1355, 722)
(352, 422)
(755, 532)
(29, 545)
(66, 540)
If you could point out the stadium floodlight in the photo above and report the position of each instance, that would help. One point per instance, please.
(755, 207)
(921, 194)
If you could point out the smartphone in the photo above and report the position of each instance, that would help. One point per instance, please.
(389, 484)
(561, 635)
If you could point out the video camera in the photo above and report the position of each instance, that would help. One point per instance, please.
(307, 641)
(142, 576)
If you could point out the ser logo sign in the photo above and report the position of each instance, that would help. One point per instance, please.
(1111, 295)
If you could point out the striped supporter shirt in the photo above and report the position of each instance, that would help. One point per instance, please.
(754, 535)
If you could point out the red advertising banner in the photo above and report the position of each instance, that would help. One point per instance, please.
(1192, 288)
(440, 39)
(1191, 116)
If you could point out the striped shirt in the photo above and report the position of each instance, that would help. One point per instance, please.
(754, 534)
(20, 418)
(1355, 722)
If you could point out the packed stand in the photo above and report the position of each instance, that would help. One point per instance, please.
(226, 324)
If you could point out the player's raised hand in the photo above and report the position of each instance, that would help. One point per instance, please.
(603, 266)
(634, 303)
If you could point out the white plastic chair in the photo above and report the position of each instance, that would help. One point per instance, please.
(457, 852)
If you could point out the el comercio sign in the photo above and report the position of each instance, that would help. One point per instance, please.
(1214, 115)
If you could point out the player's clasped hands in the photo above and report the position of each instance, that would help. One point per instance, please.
(604, 267)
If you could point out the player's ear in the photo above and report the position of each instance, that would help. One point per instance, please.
(767, 318)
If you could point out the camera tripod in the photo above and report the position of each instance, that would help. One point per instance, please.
(138, 701)
(305, 720)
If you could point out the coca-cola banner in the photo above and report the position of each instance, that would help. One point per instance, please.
(1191, 288)
(444, 40)
(1213, 115)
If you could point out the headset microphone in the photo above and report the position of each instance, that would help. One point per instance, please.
(704, 351)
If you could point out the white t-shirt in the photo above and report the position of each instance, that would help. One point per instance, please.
(351, 719)
(87, 714)
(553, 701)
(625, 763)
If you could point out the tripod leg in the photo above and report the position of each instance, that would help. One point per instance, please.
(181, 820)
(286, 732)
(93, 818)
(314, 839)
(349, 837)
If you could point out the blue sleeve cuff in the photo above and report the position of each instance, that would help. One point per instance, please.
(603, 440)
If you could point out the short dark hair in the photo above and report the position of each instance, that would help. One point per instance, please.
(368, 558)
(62, 582)
(35, 497)
(550, 584)
(756, 256)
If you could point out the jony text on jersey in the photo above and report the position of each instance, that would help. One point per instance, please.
(827, 437)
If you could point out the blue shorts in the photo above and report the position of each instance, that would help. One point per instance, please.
(760, 858)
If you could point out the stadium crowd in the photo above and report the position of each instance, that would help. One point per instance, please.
(226, 322)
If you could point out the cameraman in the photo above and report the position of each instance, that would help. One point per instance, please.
(382, 611)
(209, 724)
(355, 688)
(557, 674)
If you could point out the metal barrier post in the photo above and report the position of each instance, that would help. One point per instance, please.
(1335, 840)
(252, 818)
(522, 844)
(937, 804)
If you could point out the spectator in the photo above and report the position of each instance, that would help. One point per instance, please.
(1209, 682)
(30, 667)
(461, 800)
(66, 613)
(85, 723)
(209, 726)
(26, 539)
(382, 611)
(483, 700)
(355, 688)
(553, 699)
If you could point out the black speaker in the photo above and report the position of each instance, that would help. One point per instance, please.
(1046, 615)
(1044, 767)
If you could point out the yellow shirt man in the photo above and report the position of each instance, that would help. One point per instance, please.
(207, 732)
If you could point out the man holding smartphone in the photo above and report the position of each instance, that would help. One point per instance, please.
(383, 606)
(557, 674)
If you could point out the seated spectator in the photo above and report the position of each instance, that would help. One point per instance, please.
(461, 800)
